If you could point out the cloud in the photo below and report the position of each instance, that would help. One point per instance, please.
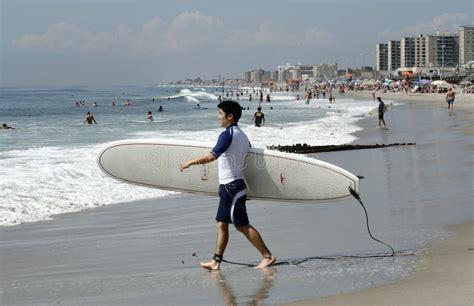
(318, 37)
(264, 35)
(190, 30)
(444, 23)
(58, 37)
(185, 31)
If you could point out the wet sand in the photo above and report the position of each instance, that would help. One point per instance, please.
(444, 275)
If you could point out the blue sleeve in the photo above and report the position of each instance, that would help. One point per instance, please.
(223, 143)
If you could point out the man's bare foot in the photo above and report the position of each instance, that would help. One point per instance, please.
(211, 265)
(266, 261)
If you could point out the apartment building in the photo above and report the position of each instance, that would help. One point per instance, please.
(407, 52)
(447, 50)
(466, 44)
(325, 71)
(382, 57)
(393, 55)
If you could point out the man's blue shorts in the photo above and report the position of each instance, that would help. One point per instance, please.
(232, 203)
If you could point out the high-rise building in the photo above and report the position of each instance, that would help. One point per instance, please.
(256, 76)
(325, 71)
(407, 52)
(393, 55)
(247, 77)
(267, 75)
(425, 51)
(382, 57)
(274, 75)
(466, 44)
(447, 50)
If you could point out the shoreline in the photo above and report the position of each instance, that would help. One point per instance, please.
(443, 269)
(442, 276)
(464, 104)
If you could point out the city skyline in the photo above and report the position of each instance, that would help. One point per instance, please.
(118, 43)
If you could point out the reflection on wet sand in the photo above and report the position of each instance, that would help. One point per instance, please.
(256, 299)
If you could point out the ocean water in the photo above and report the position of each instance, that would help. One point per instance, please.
(47, 163)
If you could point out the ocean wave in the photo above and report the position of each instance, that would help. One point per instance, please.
(40, 183)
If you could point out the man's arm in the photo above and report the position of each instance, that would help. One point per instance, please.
(204, 159)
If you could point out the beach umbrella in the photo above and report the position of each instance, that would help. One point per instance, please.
(465, 82)
(425, 82)
(442, 83)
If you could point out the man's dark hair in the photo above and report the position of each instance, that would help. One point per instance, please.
(231, 107)
(379, 99)
(259, 108)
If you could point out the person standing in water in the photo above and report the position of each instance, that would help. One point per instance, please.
(259, 117)
(231, 148)
(89, 119)
(149, 116)
(381, 111)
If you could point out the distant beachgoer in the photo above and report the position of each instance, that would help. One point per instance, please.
(6, 127)
(261, 96)
(259, 117)
(160, 109)
(450, 97)
(89, 119)
(198, 106)
(113, 103)
(95, 104)
(149, 116)
(250, 97)
(381, 111)
(297, 97)
(268, 98)
(374, 92)
(332, 99)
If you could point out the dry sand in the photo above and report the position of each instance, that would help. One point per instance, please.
(445, 273)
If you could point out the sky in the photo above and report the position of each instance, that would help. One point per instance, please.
(144, 42)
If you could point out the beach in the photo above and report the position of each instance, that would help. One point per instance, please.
(443, 276)
(146, 252)
(444, 272)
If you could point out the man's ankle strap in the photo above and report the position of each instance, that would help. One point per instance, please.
(217, 258)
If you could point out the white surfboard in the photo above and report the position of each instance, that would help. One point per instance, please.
(270, 175)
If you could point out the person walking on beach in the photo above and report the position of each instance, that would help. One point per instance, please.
(259, 117)
(381, 112)
(89, 119)
(450, 97)
(231, 148)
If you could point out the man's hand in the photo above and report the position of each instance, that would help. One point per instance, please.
(185, 165)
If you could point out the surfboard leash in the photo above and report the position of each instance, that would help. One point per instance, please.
(336, 257)
(357, 197)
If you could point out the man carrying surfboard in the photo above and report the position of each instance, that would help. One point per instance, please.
(231, 149)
